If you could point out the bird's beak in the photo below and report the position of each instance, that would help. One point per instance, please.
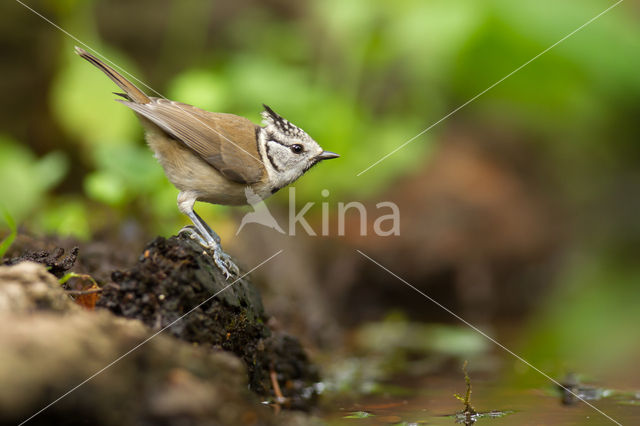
(327, 155)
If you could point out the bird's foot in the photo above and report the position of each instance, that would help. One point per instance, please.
(221, 259)
(191, 232)
(224, 263)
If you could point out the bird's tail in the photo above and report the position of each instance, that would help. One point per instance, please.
(132, 92)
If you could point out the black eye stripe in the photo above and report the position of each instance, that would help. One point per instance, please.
(278, 142)
(273, 137)
(295, 148)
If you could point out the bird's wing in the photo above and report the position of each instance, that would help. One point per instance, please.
(226, 141)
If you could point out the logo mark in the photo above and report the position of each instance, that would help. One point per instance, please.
(385, 224)
(260, 214)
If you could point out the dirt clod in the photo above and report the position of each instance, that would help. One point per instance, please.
(174, 285)
(55, 260)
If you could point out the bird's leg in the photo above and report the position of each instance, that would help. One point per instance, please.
(205, 236)
(212, 241)
(209, 230)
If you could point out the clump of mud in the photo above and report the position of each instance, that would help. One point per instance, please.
(177, 286)
(56, 262)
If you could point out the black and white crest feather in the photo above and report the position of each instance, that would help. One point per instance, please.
(271, 118)
(288, 150)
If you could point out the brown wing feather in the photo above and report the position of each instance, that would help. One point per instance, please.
(226, 141)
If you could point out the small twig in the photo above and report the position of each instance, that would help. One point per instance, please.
(276, 390)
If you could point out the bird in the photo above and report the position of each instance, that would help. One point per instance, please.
(212, 156)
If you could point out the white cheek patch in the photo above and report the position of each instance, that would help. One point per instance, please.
(283, 166)
(280, 157)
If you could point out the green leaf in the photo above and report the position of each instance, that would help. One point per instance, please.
(70, 275)
(66, 277)
(51, 169)
(27, 178)
(105, 187)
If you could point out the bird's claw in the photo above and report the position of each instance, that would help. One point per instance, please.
(193, 234)
(222, 260)
(225, 264)
(234, 268)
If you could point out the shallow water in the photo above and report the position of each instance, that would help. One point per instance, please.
(433, 403)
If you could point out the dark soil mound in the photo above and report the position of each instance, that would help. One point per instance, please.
(176, 285)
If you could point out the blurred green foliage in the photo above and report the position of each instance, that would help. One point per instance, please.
(75, 96)
(25, 178)
(361, 77)
(589, 323)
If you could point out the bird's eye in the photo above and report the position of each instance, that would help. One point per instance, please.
(296, 148)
